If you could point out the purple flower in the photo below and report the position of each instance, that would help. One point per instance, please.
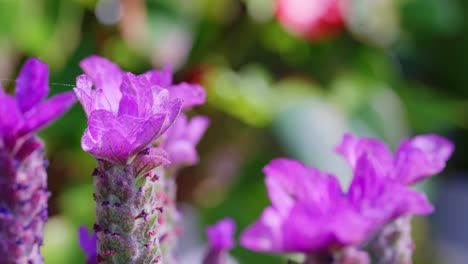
(415, 159)
(221, 234)
(126, 113)
(310, 212)
(88, 243)
(27, 111)
(182, 139)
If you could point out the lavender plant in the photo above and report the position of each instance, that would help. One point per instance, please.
(311, 214)
(23, 176)
(128, 116)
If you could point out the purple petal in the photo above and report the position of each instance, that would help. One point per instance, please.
(10, 115)
(88, 243)
(85, 94)
(352, 148)
(150, 158)
(149, 131)
(172, 109)
(221, 234)
(410, 202)
(182, 152)
(381, 200)
(106, 76)
(110, 145)
(182, 137)
(266, 234)
(288, 180)
(138, 88)
(31, 84)
(128, 106)
(421, 157)
(161, 78)
(191, 94)
(307, 229)
(47, 112)
(197, 127)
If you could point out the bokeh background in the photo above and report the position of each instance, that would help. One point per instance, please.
(390, 69)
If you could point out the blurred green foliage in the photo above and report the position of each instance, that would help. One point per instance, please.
(270, 94)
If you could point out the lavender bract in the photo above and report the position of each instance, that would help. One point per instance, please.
(415, 159)
(221, 238)
(128, 117)
(23, 177)
(88, 243)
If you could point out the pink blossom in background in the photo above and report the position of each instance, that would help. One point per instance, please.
(311, 19)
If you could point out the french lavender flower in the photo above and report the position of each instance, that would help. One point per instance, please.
(221, 239)
(337, 222)
(23, 176)
(414, 160)
(128, 117)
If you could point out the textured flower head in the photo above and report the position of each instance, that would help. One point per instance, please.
(301, 196)
(88, 243)
(28, 111)
(126, 113)
(311, 19)
(415, 159)
(221, 234)
(182, 138)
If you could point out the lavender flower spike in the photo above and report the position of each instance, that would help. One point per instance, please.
(23, 177)
(127, 114)
(221, 238)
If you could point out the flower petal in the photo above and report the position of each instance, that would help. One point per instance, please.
(420, 157)
(85, 93)
(31, 84)
(221, 234)
(150, 158)
(197, 127)
(106, 76)
(265, 234)
(289, 180)
(139, 88)
(352, 148)
(128, 106)
(47, 112)
(149, 131)
(88, 243)
(10, 115)
(162, 78)
(191, 94)
(182, 152)
(110, 145)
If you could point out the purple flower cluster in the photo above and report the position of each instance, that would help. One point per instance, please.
(310, 212)
(23, 177)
